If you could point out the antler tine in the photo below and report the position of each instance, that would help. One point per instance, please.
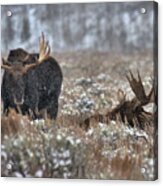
(132, 80)
(5, 65)
(139, 78)
(44, 52)
(44, 49)
(41, 42)
(151, 95)
(128, 78)
(137, 88)
(131, 74)
(47, 49)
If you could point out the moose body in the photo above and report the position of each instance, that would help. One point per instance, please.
(128, 111)
(31, 87)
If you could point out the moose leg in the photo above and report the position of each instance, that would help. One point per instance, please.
(5, 108)
(52, 108)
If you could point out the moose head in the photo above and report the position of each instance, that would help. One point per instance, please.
(17, 71)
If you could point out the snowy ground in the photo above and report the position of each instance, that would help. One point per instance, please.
(61, 149)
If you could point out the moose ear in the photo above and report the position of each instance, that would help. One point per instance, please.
(121, 96)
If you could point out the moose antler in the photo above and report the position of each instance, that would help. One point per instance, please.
(44, 49)
(138, 89)
(128, 111)
(132, 110)
(13, 68)
(44, 52)
(5, 65)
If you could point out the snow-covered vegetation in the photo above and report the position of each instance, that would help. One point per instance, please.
(63, 149)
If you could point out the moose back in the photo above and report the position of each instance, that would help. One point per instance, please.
(31, 82)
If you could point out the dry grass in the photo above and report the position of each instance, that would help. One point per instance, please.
(63, 148)
(13, 123)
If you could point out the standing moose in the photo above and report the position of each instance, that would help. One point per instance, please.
(32, 82)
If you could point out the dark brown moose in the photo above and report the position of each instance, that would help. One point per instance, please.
(132, 111)
(129, 111)
(31, 82)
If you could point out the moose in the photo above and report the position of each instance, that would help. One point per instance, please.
(129, 111)
(132, 111)
(32, 82)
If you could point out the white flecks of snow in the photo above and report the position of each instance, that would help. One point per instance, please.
(39, 173)
(18, 175)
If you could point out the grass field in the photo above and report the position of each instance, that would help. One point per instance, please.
(62, 148)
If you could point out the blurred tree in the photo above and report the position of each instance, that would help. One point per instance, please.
(25, 33)
(96, 26)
